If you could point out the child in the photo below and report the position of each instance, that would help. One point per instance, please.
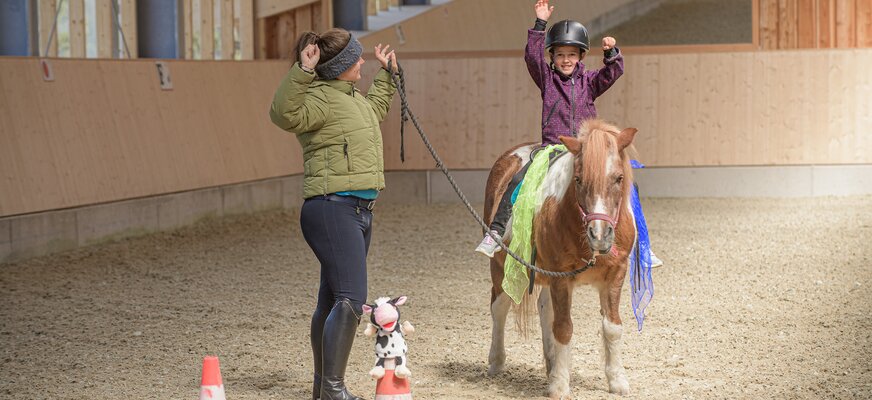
(568, 92)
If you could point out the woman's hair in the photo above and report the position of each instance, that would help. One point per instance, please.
(330, 43)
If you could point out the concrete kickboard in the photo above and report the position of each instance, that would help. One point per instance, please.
(471, 183)
(292, 191)
(43, 233)
(107, 222)
(842, 180)
(181, 209)
(404, 188)
(250, 197)
(725, 182)
(5, 239)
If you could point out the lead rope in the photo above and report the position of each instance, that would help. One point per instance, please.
(406, 114)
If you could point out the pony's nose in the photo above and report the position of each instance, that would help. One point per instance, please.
(608, 234)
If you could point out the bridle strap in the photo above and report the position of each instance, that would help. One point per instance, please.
(613, 222)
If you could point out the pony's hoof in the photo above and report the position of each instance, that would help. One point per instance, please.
(402, 372)
(559, 392)
(377, 372)
(619, 386)
(496, 369)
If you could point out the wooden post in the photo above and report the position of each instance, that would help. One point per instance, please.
(128, 25)
(383, 5)
(371, 7)
(187, 29)
(207, 30)
(78, 41)
(47, 10)
(246, 29)
(227, 30)
(105, 39)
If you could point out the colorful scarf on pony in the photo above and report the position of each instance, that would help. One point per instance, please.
(515, 278)
(641, 284)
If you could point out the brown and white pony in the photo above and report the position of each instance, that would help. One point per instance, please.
(585, 209)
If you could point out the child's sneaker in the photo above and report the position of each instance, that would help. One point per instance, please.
(488, 245)
(655, 261)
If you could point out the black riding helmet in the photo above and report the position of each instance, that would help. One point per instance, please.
(567, 33)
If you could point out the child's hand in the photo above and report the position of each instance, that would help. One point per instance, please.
(608, 43)
(543, 11)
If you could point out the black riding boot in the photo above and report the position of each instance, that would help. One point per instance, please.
(338, 337)
(317, 332)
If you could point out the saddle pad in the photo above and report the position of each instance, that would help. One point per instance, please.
(515, 277)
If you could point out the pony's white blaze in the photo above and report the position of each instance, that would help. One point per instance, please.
(612, 354)
(557, 180)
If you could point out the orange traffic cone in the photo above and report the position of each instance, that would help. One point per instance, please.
(391, 387)
(211, 386)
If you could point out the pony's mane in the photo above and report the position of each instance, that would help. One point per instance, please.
(594, 134)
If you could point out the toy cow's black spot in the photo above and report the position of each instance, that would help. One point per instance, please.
(382, 341)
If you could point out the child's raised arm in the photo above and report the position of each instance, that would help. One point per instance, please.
(534, 53)
(612, 69)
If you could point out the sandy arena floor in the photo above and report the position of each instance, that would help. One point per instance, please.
(758, 299)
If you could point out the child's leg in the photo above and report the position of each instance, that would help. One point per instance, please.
(504, 209)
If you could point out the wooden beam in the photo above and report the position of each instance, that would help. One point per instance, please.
(227, 45)
(105, 39)
(207, 30)
(805, 24)
(246, 29)
(768, 24)
(302, 22)
(371, 7)
(187, 28)
(128, 25)
(78, 41)
(383, 5)
(864, 23)
(47, 10)
(845, 24)
(261, 33)
(268, 8)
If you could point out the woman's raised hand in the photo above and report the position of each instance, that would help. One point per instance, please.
(309, 56)
(543, 10)
(381, 53)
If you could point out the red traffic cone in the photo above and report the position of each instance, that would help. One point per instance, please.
(391, 387)
(211, 386)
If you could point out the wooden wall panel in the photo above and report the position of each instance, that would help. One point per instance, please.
(805, 24)
(104, 131)
(207, 29)
(47, 11)
(227, 45)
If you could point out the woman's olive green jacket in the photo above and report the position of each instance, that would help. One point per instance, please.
(338, 128)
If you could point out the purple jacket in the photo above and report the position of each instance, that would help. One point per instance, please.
(566, 102)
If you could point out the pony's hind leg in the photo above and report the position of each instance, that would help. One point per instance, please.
(546, 319)
(612, 330)
(500, 307)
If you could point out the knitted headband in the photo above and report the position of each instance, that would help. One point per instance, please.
(331, 68)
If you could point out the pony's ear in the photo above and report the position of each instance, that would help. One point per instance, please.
(625, 138)
(399, 300)
(367, 308)
(572, 144)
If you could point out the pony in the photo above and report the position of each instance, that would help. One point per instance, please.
(585, 212)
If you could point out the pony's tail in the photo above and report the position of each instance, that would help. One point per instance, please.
(525, 311)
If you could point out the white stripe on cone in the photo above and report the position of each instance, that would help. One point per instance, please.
(212, 393)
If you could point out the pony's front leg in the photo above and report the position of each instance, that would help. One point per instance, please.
(560, 336)
(610, 300)
(546, 320)
(499, 311)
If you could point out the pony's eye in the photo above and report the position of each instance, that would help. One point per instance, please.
(577, 179)
(620, 179)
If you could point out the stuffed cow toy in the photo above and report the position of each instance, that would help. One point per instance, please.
(389, 343)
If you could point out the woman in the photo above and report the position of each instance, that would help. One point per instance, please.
(343, 168)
